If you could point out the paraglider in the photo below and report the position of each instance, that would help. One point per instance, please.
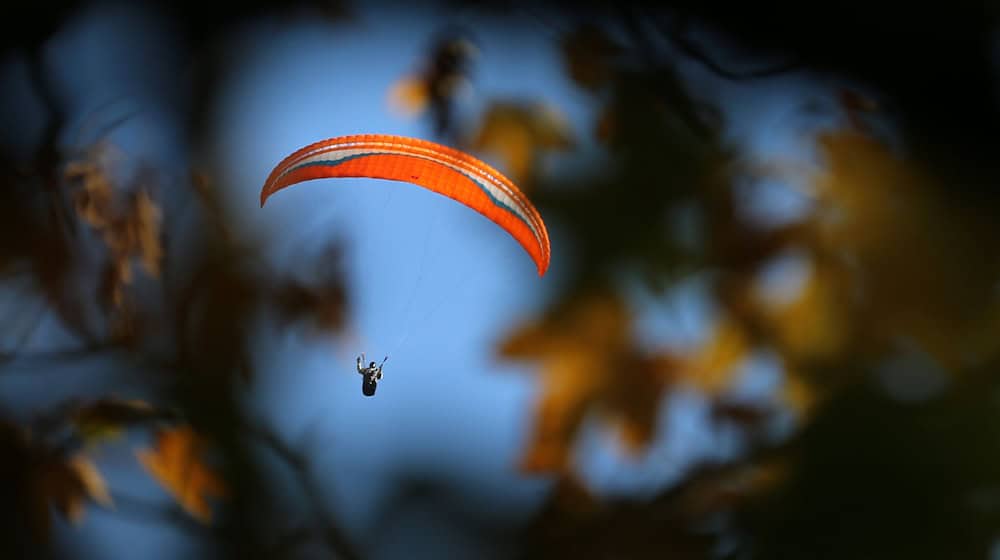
(372, 375)
(438, 168)
(435, 167)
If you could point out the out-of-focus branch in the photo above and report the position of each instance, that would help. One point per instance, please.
(26, 333)
(682, 104)
(32, 363)
(334, 537)
(676, 33)
(36, 362)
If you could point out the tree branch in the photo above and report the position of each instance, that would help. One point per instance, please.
(676, 35)
(334, 537)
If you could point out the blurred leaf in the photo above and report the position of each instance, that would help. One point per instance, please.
(146, 221)
(323, 299)
(91, 480)
(817, 326)
(136, 234)
(712, 365)
(519, 133)
(442, 77)
(891, 222)
(176, 462)
(588, 364)
(409, 95)
(67, 484)
(908, 474)
(93, 200)
(128, 228)
(721, 489)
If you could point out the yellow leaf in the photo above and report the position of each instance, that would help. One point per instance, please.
(91, 480)
(93, 200)
(147, 225)
(176, 463)
(588, 365)
(67, 483)
(732, 486)
(817, 325)
(712, 365)
(569, 387)
(128, 230)
(409, 96)
(914, 250)
(441, 78)
(519, 133)
(635, 401)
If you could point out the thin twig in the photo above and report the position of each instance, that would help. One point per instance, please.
(676, 35)
(33, 362)
(683, 106)
(334, 537)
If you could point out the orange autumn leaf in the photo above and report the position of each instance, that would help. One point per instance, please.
(569, 388)
(865, 192)
(729, 487)
(129, 227)
(66, 484)
(176, 462)
(93, 201)
(136, 233)
(146, 221)
(639, 397)
(818, 324)
(409, 96)
(899, 258)
(442, 77)
(588, 365)
(518, 134)
(711, 366)
(914, 254)
(130, 235)
(91, 480)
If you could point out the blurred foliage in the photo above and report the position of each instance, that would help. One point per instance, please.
(896, 252)
(588, 360)
(444, 75)
(519, 134)
(177, 463)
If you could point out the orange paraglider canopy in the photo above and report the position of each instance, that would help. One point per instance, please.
(438, 168)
